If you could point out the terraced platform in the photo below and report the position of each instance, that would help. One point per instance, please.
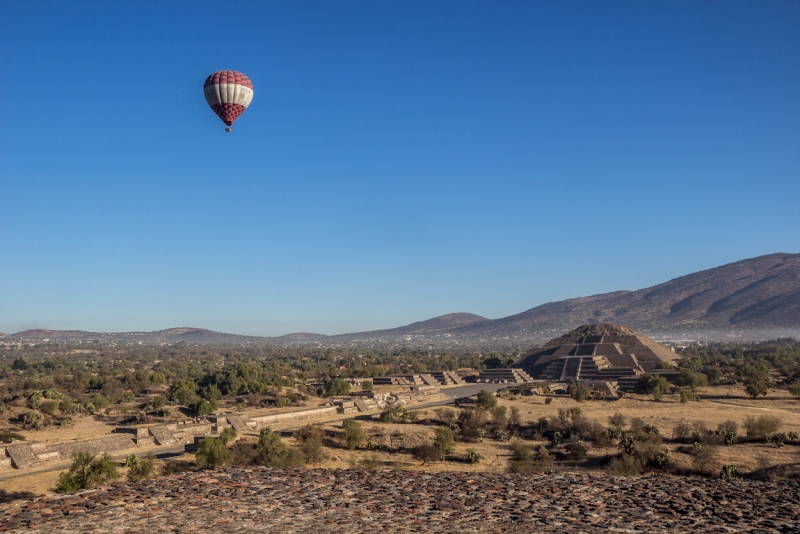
(349, 501)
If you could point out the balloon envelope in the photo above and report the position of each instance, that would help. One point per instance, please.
(228, 93)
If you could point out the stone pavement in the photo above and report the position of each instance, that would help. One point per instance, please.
(349, 501)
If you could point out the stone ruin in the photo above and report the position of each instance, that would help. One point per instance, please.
(436, 378)
(598, 353)
(25, 455)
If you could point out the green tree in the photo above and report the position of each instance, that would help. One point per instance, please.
(140, 468)
(204, 407)
(690, 379)
(756, 386)
(87, 472)
(336, 387)
(366, 385)
(654, 385)
(713, 374)
(227, 435)
(212, 454)
(445, 440)
(486, 400)
(794, 389)
(353, 433)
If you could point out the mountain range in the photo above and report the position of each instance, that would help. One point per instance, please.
(759, 295)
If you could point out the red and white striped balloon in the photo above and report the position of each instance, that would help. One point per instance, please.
(228, 93)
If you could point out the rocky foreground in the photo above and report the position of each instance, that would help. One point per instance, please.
(292, 500)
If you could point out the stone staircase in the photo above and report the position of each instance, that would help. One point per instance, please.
(237, 422)
(162, 435)
(447, 378)
(501, 376)
(22, 456)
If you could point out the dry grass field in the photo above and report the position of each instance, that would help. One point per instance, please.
(392, 444)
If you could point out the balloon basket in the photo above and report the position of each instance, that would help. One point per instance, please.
(228, 129)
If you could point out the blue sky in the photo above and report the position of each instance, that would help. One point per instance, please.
(400, 160)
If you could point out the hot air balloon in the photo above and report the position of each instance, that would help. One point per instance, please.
(228, 93)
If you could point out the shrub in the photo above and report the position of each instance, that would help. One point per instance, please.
(728, 427)
(521, 458)
(48, 407)
(514, 419)
(637, 425)
(227, 435)
(794, 389)
(625, 465)
(273, 452)
(427, 453)
(486, 400)
(445, 415)
(366, 385)
(391, 413)
(31, 419)
(548, 400)
(762, 426)
(577, 450)
(444, 440)
(140, 468)
(175, 466)
(471, 423)
(578, 391)
(310, 438)
(473, 457)
(499, 415)
(87, 472)
(613, 432)
(703, 456)
(212, 454)
(353, 433)
(618, 420)
(68, 407)
(688, 395)
(244, 453)
(729, 472)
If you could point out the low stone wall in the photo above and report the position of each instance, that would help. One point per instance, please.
(264, 420)
(92, 446)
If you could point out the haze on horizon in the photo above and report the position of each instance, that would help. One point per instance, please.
(399, 161)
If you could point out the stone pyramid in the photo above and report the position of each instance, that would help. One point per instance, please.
(596, 352)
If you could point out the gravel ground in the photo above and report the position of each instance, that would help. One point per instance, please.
(350, 501)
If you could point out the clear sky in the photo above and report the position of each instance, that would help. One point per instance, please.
(400, 160)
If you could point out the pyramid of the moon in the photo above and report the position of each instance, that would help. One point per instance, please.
(596, 352)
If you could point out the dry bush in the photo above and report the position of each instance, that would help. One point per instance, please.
(445, 415)
(764, 425)
(176, 466)
(618, 420)
(637, 425)
(704, 457)
(728, 427)
(682, 430)
(625, 465)
(244, 453)
(309, 440)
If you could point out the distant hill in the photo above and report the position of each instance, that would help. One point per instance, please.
(758, 294)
